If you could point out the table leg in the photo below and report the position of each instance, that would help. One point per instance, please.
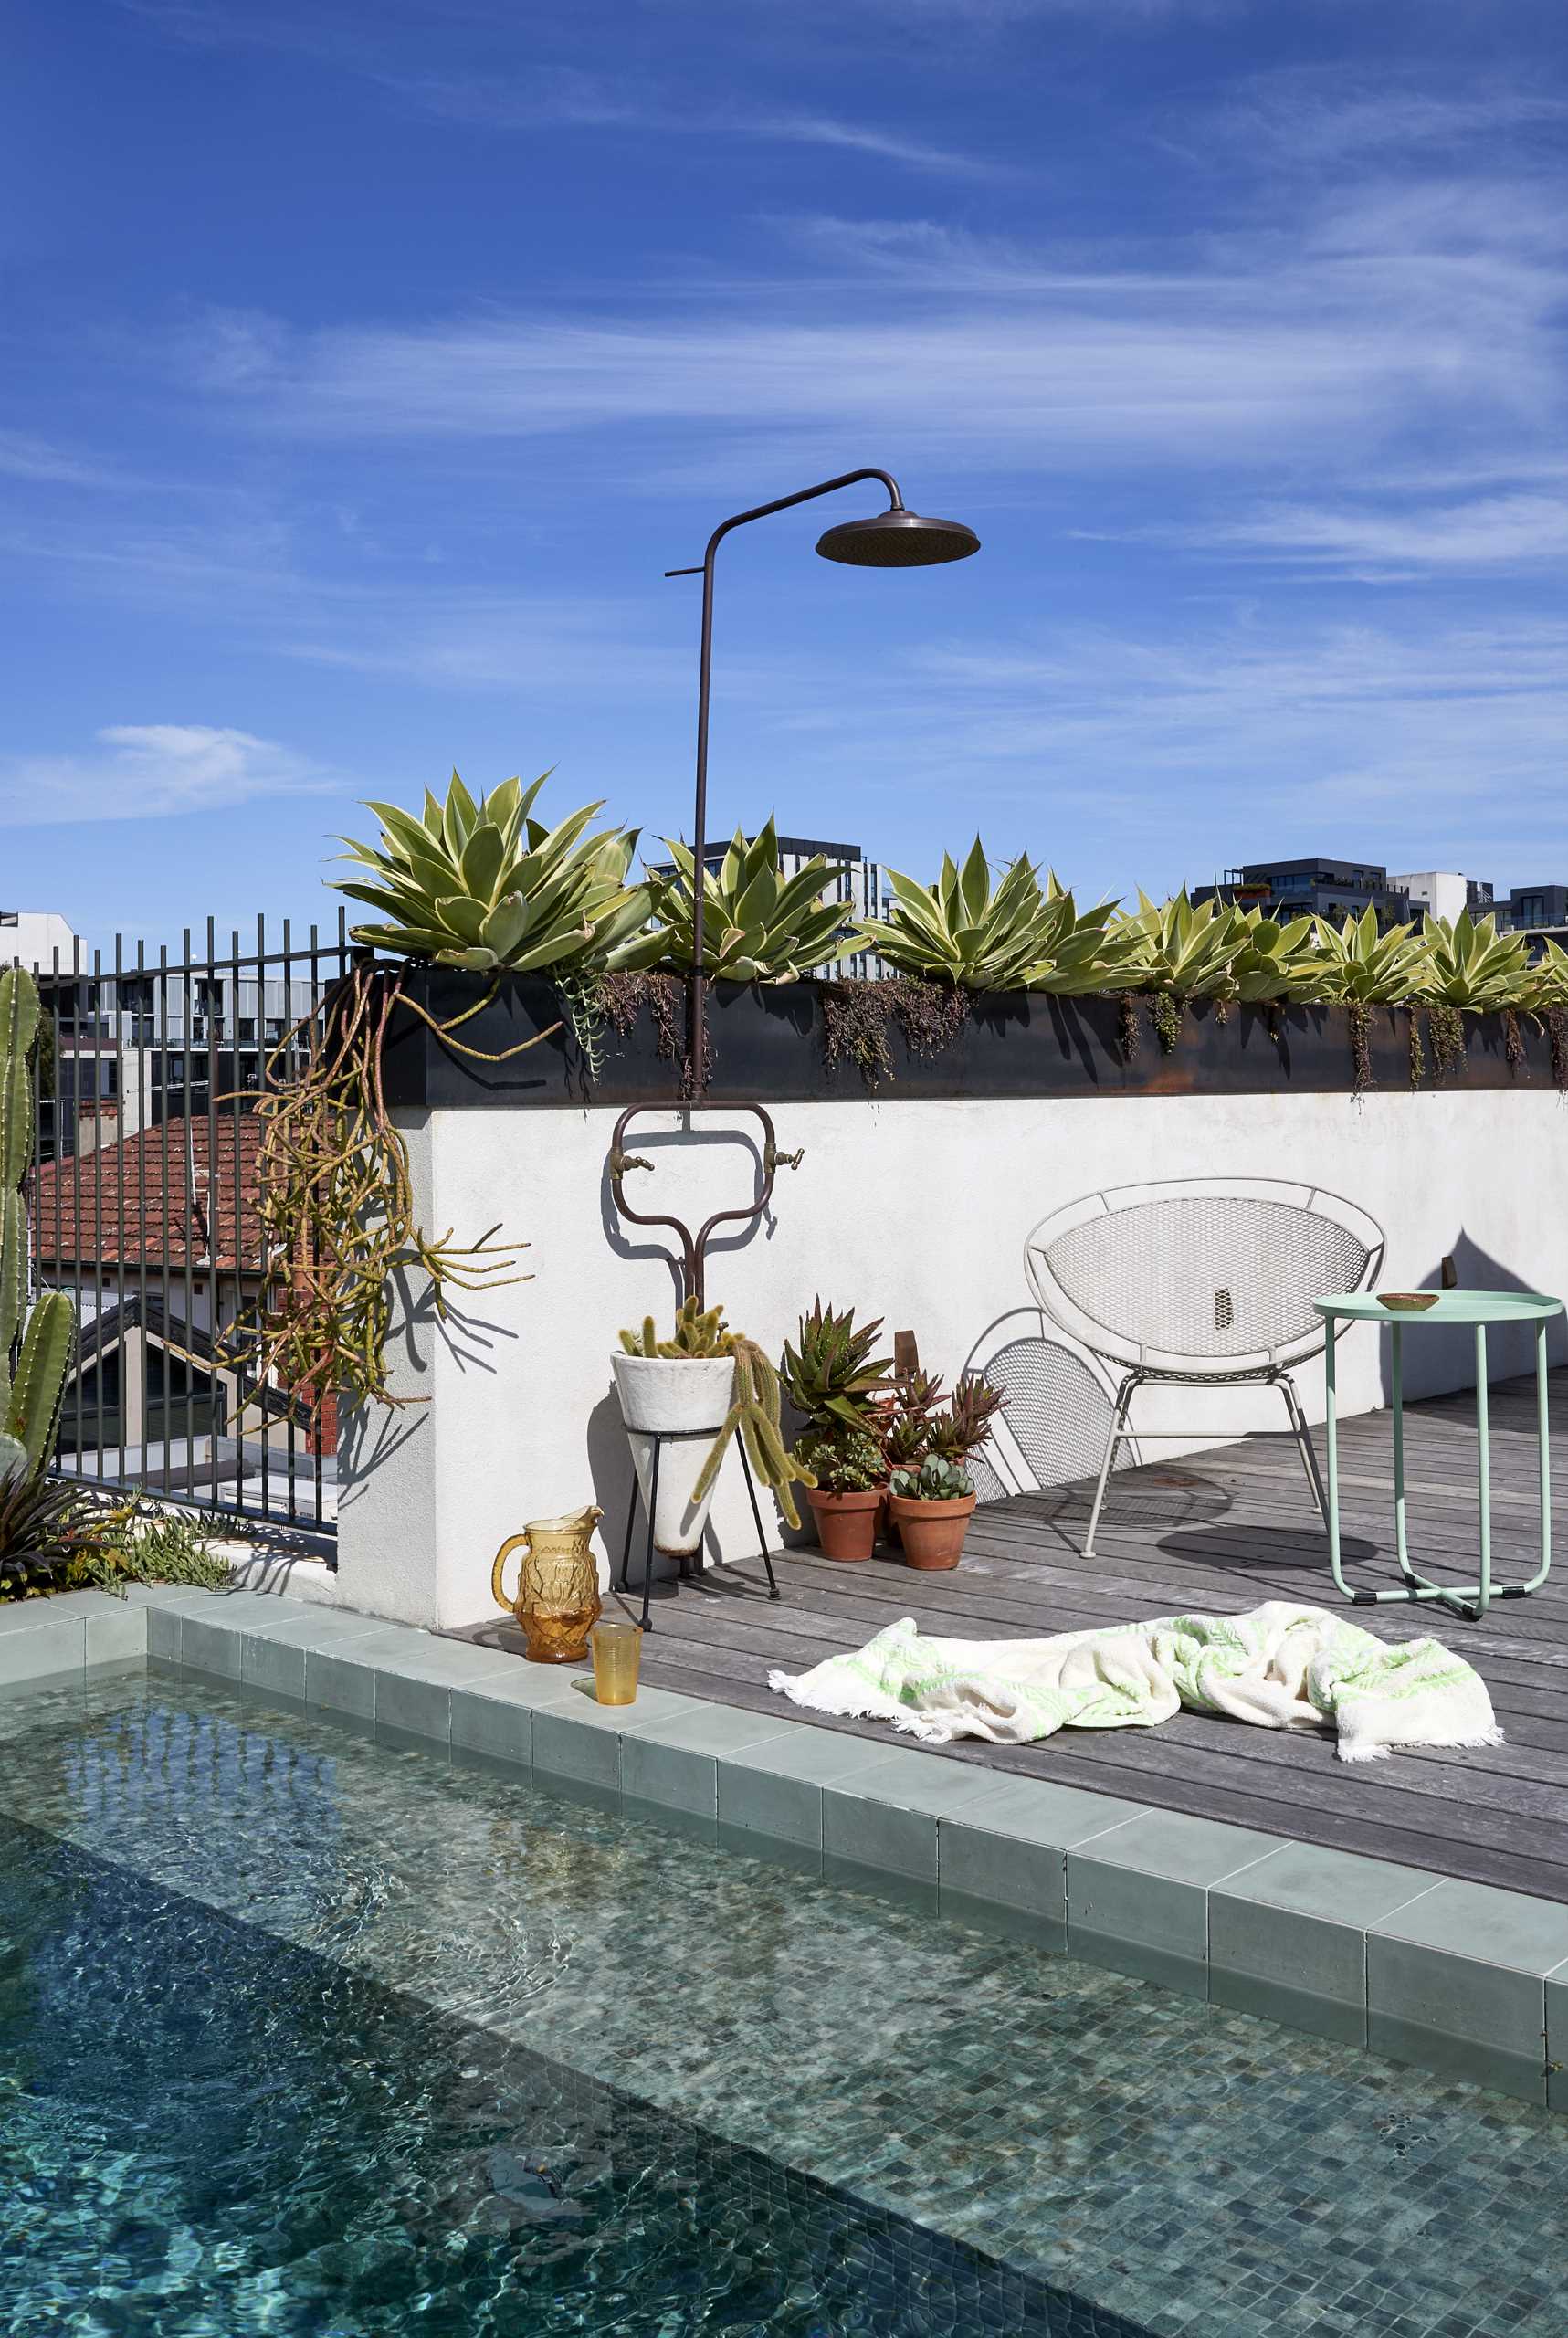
(1332, 1426)
(1545, 1442)
(1396, 1392)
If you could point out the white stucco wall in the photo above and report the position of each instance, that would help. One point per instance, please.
(915, 1212)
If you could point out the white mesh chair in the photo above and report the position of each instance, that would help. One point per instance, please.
(1060, 1404)
(1198, 1283)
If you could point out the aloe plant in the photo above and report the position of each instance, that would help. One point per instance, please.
(483, 884)
(829, 1371)
(1358, 964)
(1188, 950)
(757, 925)
(1470, 963)
(1012, 936)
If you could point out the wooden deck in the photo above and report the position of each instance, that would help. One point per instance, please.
(1224, 1530)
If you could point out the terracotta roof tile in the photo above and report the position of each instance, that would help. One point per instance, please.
(138, 1200)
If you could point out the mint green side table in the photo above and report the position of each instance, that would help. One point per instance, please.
(1480, 1308)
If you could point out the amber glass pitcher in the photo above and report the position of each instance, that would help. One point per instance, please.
(557, 1601)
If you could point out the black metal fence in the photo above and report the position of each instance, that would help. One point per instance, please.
(143, 1205)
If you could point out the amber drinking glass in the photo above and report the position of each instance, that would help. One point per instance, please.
(618, 1648)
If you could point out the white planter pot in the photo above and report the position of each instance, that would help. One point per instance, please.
(687, 1399)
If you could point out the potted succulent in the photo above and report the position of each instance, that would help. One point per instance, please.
(829, 1374)
(931, 1498)
(691, 1394)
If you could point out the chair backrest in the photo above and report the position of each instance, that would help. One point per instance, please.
(1058, 1415)
(1201, 1275)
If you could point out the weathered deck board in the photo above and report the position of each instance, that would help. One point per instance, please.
(1226, 1530)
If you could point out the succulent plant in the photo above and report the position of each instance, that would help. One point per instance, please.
(485, 885)
(830, 1373)
(30, 1398)
(1274, 961)
(1186, 950)
(966, 1425)
(842, 1461)
(1470, 963)
(1355, 961)
(757, 925)
(697, 1336)
(1014, 937)
(936, 1480)
(754, 1416)
(48, 1530)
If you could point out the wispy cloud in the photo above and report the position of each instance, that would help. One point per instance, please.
(23, 457)
(143, 770)
(1317, 115)
(1393, 540)
(563, 98)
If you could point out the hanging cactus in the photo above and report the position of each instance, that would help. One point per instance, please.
(29, 1401)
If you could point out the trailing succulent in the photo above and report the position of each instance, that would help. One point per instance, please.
(1010, 937)
(485, 885)
(757, 925)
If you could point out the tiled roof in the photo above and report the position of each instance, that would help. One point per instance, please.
(138, 1200)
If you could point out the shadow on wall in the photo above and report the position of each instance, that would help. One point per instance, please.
(1443, 1356)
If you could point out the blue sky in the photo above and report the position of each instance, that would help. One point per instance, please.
(365, 364)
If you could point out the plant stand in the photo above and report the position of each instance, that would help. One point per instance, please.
(661, 1437)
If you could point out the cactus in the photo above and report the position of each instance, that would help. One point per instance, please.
(29, 1402)
(697, 1336)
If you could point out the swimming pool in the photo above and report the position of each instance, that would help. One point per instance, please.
(301, 2032)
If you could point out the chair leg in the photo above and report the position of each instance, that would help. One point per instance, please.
(1118, 1426)
(1304, 1445)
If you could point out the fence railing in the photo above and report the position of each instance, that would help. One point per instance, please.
(144, 1201)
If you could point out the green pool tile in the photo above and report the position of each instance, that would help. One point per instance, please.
(1456, 1982)
(41, 1648)
(674, 1762)
(774, 1791)
(115, 1632)
(579, 1739)
(1138, 1896)
(1557, 2039)
(1288, 1937)
(885, 1819)
(274, 1661)
(1006, 1854)
(340, 1684)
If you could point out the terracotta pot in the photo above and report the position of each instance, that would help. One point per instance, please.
(846, 1523)
(932, 1533)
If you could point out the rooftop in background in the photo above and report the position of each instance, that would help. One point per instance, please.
(798, 849)
(1312, 887)
(33, 937)
(144, 1201)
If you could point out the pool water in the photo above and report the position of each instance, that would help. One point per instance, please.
(305, 2033)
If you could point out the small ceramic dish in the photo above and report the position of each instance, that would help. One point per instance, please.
(1408, 1302)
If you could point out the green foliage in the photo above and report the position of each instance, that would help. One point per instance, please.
(1273, 961)
(1550, 978)
(965, 1426)
(1355, 961)
(1470, 964)
(485, 885)
(935, 1480)
(140, 1542)
(757, 925)
(48, 1532)
(830, 1373)
(29, 1403)
(696, 1335)
(842, 1461)
(754, 1416)
(1014, 937)
(1181, 949)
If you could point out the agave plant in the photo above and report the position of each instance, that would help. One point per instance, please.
(1186, 950)
(1012, 937)
(1470, 963)
(1275, 961)
(757, 925)
(47, 1531)
(484, 884)
(1358, 963)
(1550, 984)
(830, 1373)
